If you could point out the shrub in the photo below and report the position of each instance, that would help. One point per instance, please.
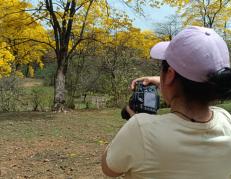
(41, 99)
(11, 95)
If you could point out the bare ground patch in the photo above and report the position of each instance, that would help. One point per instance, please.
(48, 145)
(31, 82)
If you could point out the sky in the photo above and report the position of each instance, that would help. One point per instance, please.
(152, 15)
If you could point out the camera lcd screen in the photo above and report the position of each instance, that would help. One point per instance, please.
(149, 99)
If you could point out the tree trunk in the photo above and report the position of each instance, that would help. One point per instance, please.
(27, 71)
(114, 88)
(59, 90)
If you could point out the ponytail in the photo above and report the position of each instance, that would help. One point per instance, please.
(221, 83)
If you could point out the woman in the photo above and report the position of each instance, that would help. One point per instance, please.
(193, 140)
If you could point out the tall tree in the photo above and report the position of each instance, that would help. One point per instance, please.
(123, 46)
(69, 20)
(169, 28)
(207, 13)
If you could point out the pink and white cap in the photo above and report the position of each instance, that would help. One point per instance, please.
(194, 53)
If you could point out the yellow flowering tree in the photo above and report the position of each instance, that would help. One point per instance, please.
(21, 33)
(119, 47)
(6, 59)
(212, 13)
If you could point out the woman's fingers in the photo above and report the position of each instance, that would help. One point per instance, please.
(146, 81)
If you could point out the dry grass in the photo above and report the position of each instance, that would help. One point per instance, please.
(48, 145)
(31, 82)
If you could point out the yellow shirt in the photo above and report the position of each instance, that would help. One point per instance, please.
(168, 147)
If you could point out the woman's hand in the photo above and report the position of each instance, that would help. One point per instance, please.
(147, 80)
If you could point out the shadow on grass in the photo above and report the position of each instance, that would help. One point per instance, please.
(26, 116)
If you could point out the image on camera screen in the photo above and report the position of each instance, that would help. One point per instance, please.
(149, 99)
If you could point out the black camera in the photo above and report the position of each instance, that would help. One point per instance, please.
(145, 99)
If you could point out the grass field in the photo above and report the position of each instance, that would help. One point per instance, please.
(57, 145)
(49, 145)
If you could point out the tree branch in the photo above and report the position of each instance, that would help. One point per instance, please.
(55, 24)
(28, 40)
(82, 29)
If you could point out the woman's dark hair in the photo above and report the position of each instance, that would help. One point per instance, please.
(218, 86)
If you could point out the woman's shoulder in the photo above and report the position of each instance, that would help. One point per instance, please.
(146, 119)
(220, 111)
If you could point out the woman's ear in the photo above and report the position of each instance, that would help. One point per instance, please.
(170, 76)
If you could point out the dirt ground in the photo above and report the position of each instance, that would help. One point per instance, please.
(60, 146)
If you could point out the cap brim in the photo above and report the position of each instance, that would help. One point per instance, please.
(158, 51)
